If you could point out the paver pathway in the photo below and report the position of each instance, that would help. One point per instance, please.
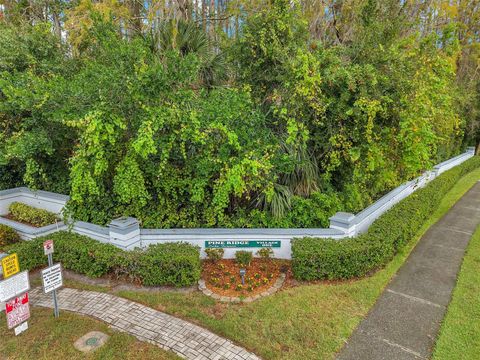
(406, 318)
(187, 340)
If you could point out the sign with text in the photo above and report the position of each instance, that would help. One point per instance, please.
(13, 286)
(21, 328)
(242, 244)
(17, 310)
(10, 265)
(52, 278)
(48, 247)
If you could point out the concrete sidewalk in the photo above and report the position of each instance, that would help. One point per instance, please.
(404, 322)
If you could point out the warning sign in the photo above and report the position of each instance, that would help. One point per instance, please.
(48, 247)
(52, 278)
(10, 265)
(17, 310)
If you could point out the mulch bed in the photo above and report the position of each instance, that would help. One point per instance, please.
(223, 277)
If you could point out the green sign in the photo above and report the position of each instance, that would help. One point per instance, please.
(242, 244)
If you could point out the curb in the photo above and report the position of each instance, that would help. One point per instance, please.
(230, 299)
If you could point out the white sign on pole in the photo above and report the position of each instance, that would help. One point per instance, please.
(14, 285)
(52, 278)
(21, 328)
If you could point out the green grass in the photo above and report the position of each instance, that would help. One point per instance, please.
(309, 321)
(50, 338)
(459, 336)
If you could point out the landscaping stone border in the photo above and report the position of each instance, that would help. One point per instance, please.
(237, 299)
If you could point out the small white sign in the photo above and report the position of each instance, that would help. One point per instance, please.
(52, 278)
(14, 285)
(21, 328)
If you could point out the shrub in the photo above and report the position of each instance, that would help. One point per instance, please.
(214, 254)
(76, 252)
(314, 258)
(30, 254)
(244, 258)
(265, 253)
(176, 264)
(8, 236)
(31, 215)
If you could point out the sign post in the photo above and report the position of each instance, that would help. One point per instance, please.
(48, 250)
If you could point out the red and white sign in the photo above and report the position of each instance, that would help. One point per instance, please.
(48, 247)
(17, 310)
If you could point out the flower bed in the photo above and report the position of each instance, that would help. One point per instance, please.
(223, 278)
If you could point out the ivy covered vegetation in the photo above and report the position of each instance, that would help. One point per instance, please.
(262, 113)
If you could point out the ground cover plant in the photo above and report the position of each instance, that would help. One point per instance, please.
(52, 338)
(304, 320)
(263, 113)
(31, 215)
(459, 336)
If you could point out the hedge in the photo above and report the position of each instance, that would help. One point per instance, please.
(31, 215)
(316, 259)
(8, 236)
(175, 264)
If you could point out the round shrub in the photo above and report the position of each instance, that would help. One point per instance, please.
(214, 254)
(244, 258)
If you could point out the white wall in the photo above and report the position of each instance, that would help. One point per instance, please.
(130, 236)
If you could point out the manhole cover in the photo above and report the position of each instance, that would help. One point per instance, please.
(91, 341)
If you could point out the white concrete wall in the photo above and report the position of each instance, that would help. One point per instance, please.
(40, 199)
(342, 224)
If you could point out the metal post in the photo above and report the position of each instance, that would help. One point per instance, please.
(54, 292)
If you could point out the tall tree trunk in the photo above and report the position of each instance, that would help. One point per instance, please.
(136, 11)
(204, 15)
(211, 23)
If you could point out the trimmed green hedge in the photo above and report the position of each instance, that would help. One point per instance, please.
(176, 264)
(314, 258)
(31, 215)
(8, 236)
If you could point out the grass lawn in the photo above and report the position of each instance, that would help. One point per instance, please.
(460, 332)
(50, 338)
(310, 321)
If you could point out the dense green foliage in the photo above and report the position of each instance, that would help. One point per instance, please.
(315, 258)
(164, 264)
(8, 236)
(275, 124)
(31, 215)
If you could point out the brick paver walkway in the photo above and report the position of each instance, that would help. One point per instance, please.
(185, 339)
